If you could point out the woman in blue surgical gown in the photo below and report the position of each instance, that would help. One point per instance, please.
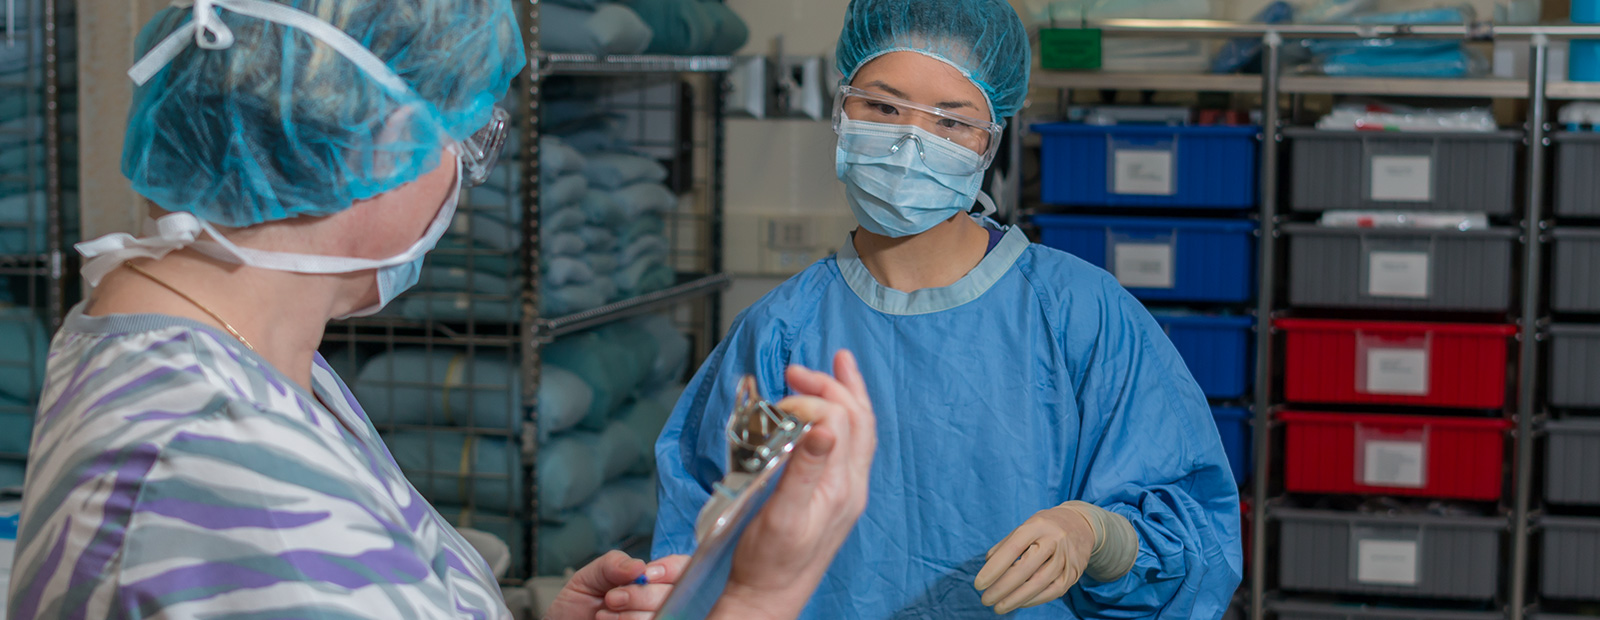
(1043, 451)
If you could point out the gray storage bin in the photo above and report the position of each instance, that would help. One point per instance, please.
(1572, 462)
(1574, 365)
(1346, 170)
(1301, 610)
(1400, 269)
(1569, 567)
(1577, 185)
(1575, 268)
(1400, 555)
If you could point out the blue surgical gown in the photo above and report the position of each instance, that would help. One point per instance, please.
(1034, 380)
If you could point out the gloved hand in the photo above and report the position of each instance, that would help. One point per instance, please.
(1044, 557)
(1038, 561)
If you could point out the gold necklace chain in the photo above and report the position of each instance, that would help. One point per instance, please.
(191, 300)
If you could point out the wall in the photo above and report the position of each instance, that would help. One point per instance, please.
(106, 31)
(781, 167)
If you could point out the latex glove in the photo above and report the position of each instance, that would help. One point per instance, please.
(787, 548)
(1038, 562)
(605, 589)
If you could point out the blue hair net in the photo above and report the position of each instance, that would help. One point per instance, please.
(984, 39)
(280, 124)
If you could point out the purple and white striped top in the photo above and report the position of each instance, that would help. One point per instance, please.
(176, 474)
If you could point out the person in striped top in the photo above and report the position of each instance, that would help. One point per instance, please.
(194, 457)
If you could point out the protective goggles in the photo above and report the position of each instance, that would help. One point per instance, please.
(481, 150)
(893, 122)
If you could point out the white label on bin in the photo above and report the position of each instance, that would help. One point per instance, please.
(1142, 172)
(1143, 265)
(1398, 274)
(1391, 463)
(1397, 371)
(1402, 178)
(1387, 562)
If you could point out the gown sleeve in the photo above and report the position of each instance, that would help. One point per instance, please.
(1149, 451)
(692, 451)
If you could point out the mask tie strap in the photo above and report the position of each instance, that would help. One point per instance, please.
(988, 205)
(173, 232)
(207, 31)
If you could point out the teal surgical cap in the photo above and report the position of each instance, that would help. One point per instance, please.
(984, 39)
(246, 111)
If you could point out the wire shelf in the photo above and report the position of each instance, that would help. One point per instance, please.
(689, 287)
(589, 64)
(36, 265)
(1503, 88)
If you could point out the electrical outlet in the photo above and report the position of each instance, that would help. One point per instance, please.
(788, 233)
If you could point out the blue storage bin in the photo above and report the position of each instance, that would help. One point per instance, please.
(1148, 166)
(1583, 60)
(1216, 349)
(1162, 259)
(1233, 424)
(1585, 12)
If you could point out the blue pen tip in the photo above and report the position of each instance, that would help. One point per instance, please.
(642, 580)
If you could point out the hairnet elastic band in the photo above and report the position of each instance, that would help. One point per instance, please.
(994, 115)
(206, 22)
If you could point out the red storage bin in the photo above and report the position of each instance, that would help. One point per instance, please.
(1393, 363)
(1425, 456)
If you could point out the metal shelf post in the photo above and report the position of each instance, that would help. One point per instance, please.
(531, 361)
(55, 291)
(1265, 295)
(1532, 279)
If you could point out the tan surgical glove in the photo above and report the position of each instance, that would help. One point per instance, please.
(1040, 560)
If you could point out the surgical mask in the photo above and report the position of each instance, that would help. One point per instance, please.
(181, 229)
(892, 187)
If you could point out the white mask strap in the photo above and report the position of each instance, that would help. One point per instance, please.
(220, 248)
(207, 31)
(172, 232)
(988, 205)
(179, 230)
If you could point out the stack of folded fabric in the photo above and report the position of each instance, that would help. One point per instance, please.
(473, 273)
(604, 396)
(23, 223)
(626, 205)
(675, 27)
(602, 229)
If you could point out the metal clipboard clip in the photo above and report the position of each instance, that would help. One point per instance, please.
(761, 437)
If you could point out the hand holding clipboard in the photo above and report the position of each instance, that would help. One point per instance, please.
(797, 482)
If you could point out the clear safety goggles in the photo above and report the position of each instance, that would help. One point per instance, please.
(481, 150)
(878, 125)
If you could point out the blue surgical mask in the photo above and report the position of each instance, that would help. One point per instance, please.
(898, 194)
(395, 279)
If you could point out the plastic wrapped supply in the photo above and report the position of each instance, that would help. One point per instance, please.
(1404, 219)
(1388, 117)
(1397, 57)
(1244, 55)
(1580, 116)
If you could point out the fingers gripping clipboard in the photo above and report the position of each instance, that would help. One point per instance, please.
(761, 438)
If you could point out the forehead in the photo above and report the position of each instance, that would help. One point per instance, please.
(923, 79)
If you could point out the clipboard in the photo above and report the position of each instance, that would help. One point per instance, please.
(761, 439)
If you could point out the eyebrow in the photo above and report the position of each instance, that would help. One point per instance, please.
(943, 105)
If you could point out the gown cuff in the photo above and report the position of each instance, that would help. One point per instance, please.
(1116, 544)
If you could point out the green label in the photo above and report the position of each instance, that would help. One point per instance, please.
(1069, 48)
